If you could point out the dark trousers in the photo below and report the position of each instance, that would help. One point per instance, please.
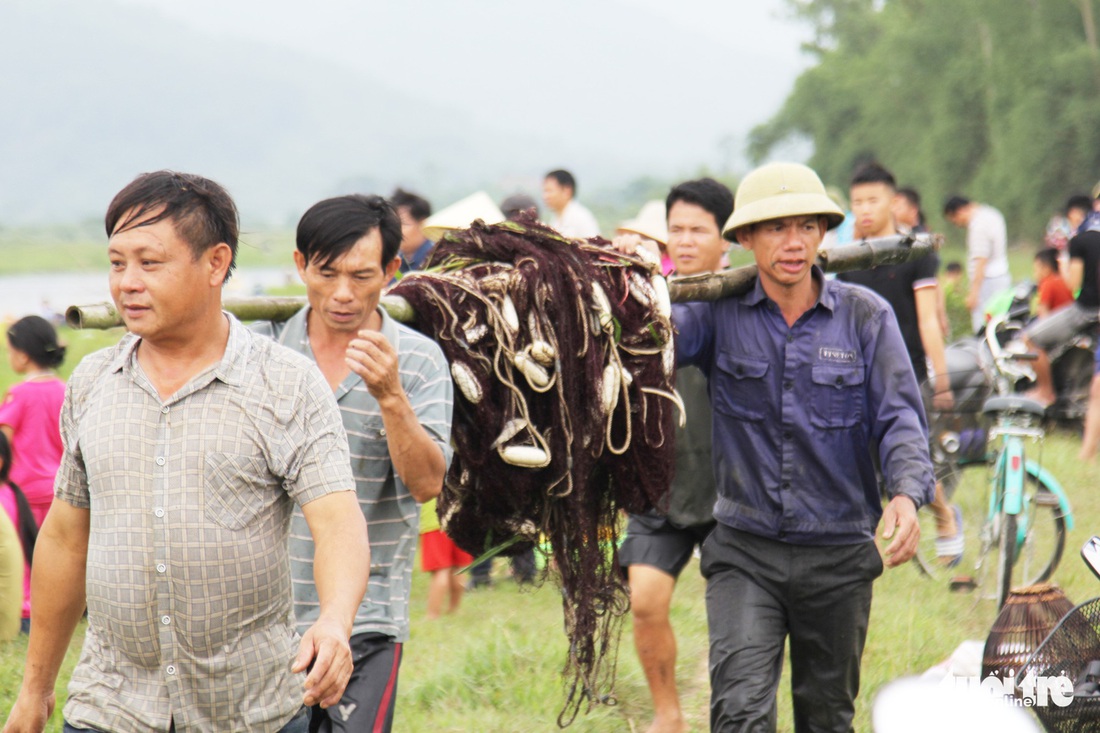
(759, 593)
(370, 698)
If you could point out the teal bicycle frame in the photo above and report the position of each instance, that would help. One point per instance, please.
(1010, 476)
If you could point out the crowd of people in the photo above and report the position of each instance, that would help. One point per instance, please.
(247, 502)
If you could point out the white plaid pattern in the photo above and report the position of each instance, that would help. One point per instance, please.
(188, 574)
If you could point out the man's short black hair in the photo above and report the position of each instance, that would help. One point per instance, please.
(953, 203)
(873, 173)
(202, 211)
(911, 195)
(954, 267)
(564, 178)
(418, 206)
(1048, 257)
(1080, 201)
(706, 193)
(330, 228)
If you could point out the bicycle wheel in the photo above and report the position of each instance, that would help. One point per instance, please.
(965, 486)
(1034, 559)
(1040, 536)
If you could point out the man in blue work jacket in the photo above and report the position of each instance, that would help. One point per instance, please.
(812, 392)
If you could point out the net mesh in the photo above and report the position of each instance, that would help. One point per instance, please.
(561, 352)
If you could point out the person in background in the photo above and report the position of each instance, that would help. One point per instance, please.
(1078, 208)
(986, 252)
(954, 289)
(650, 230)
(517, 203)
(17, 513)
(908, 214)
(31, 411)
(1044, 334)
(912, 291)
(909, 219)
(441, 557)
(415, 246)
(1053, 293)
(186, 446)
(1091, 440)
(658, 546)
(568, 216)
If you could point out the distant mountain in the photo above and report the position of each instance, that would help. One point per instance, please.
(94, 93)
(92, 98)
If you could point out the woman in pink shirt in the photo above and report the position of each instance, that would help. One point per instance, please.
(31, 411)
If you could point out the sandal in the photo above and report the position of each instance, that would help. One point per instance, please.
(950, 549)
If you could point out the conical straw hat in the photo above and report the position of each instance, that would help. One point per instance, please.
(461, 214)
(650, 222)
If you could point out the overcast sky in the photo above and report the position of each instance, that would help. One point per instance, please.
(286, 101)
(448, 52)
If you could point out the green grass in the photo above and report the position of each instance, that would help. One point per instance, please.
(78, 249)
(495, 665)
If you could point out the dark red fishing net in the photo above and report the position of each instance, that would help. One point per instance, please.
(490, 293)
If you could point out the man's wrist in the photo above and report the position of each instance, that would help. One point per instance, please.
(339, 619)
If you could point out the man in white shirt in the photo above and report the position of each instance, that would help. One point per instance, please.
(568, 216)
(986, 252)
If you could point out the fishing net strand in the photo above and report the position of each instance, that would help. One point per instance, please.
(561, 353)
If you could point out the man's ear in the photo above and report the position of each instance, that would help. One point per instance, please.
(391, 268)
(218, 259)
(301, 264)
(744, 236)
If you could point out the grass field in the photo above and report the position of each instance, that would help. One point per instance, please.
(495, 665)
(85, 248)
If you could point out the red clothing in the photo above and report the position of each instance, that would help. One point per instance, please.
(439, 552)
(1054, 293)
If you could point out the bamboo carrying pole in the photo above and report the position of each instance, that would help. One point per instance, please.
(861, 255)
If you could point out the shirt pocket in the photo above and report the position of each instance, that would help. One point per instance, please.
(836, 397)
(236, 489)
(367, 437)
(740, 388)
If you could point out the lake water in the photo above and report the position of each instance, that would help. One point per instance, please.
(22, 295)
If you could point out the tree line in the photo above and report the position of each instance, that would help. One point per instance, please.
(997, 100)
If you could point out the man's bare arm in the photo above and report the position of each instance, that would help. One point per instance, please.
(57, 584)
(416, 458)
(341, 568)
(931, 335)
(976, 283)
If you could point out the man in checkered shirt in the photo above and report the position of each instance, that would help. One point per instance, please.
(187, 447)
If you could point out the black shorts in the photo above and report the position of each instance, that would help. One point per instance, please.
(368, 702)
(653, 540)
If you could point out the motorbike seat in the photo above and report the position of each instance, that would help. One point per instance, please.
(1014, 403)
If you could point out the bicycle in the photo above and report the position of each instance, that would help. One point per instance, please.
(987, 473)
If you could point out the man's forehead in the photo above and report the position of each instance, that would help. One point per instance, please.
(788, 220)
(871, 188)
(364, 255)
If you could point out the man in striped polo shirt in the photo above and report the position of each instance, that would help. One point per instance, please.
(394, 392)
